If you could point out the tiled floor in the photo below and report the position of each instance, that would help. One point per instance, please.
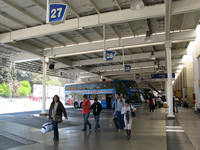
(148, 133)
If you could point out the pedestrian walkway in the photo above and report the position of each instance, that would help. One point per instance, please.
(148, 133)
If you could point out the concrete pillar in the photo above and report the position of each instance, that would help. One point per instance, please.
(196, 80)
(168, 45)
(44, 113)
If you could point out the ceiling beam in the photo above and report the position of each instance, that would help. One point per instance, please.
(98, 20)
(119, 43)
(22, 11)
(95, 7)
(80, 34)
(133, 65)
(70, 7)
(13, 19)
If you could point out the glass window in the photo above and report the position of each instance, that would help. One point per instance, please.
(121, 88)
(93, 86)
(72, 87)
(99, 85)
(131, 84)
(67, 87)
(85, 86)
(135, 97)
(79, 87)
(108, 85)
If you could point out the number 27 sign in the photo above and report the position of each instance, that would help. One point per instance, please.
(57, 13)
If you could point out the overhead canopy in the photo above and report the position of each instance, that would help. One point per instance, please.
(77, 46)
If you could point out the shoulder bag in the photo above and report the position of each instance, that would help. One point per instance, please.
(132, 113)
(58, 119)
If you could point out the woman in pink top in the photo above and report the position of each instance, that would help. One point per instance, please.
(86, 112)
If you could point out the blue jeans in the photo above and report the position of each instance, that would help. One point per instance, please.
(86, 121)
(120, 119)
(55, 129)
(176, 107)
(97, 122)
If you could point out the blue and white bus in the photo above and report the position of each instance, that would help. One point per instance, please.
(104, 90)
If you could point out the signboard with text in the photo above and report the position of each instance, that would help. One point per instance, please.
(127, 68)
(57, 13)
(161, 77)
(110, 55)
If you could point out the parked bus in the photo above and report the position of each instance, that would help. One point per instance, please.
(104, 90)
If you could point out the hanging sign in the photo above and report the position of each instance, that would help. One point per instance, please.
(127, 68)
(137, 76)
(57, 13)
(110, 55)
(142, 80)
(161, 77)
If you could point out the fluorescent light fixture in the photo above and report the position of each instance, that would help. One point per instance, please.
(137, 5)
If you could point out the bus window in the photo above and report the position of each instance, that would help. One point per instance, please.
(120, 87)
(99, 85)
(131, 84)
(85, 86)
(67, 87)
(79, 87)
(108, 85)
(72, 87)
(93, 86)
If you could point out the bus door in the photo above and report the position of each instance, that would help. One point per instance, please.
(108, 100)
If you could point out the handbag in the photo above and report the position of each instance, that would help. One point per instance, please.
(132, 113)
(47, 127)
(58, 119)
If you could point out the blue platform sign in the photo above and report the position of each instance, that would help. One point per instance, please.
(137, 76)
(142, 80)
(57, 13)
(127, 68)
(161, 77)
(110, 55)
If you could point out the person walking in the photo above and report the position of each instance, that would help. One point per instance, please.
(56, 108)
(151, 104)
(86, 112)
(176, 103)
(119, 103)
(96, 107)
(159, 101)
(126, 110)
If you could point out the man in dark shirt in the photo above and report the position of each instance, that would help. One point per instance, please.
(96, 106)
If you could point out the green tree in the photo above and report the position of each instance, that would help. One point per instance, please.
(5, 75)
(24, 89)
(4, 90)
(13, 86)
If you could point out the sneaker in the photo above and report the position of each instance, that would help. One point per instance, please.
(95, 129)
(83, 129)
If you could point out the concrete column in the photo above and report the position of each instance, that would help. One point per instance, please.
(44, 113)
(196, 80)
(168, 46)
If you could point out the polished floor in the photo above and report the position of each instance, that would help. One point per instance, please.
(149, 132)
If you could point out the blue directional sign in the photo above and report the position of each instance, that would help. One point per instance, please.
(142, 80)
(161, 77)
(137, 76)
(57, 13)
(127, 68)
(110, 55)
